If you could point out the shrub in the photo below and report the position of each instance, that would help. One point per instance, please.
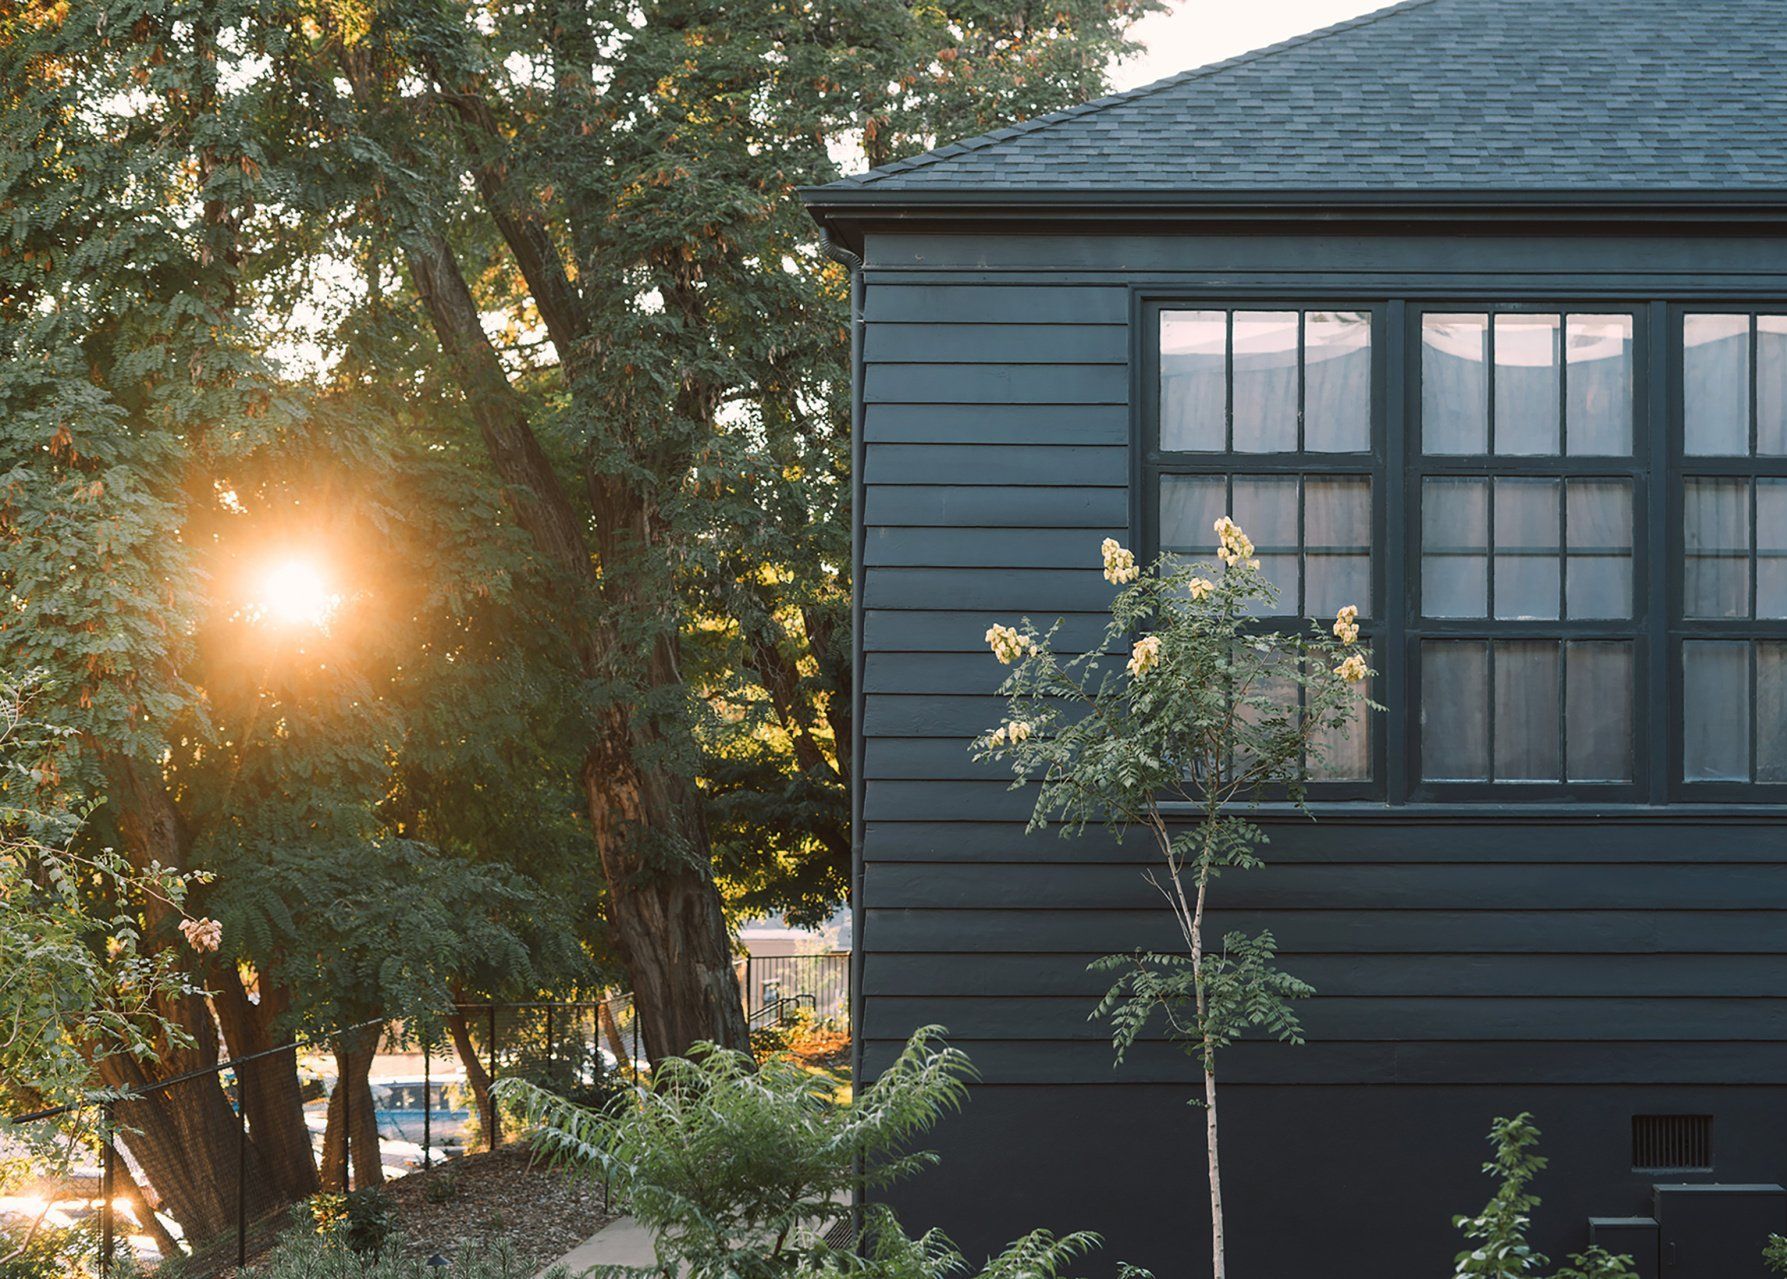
(46, 1253)
(305, 1254)
(1499, 1231)
(739, 1172)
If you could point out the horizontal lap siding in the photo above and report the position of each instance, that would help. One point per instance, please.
(995, 424)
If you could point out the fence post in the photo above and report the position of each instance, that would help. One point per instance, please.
(549, 1036)
(427, 1106)
(495, 1123)
(108, 1174)
(241, 1171)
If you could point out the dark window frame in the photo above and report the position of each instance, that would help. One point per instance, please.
(1658, 628)
(1152, 462)
(1406, 544)
(1683, 466)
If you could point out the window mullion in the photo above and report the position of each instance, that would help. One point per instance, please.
(1662, 507)
(1399, 473)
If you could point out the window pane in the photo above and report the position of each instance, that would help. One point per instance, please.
(1527, 554)
(1771, 548)
(1598, 712)
(1716, 384)
(1337, 381)
(1526, 384)
(1337, 538)
(1454, 548)
(1598, 355)
(1598, 573)
(1454, 384)
(1771, 385)
(1454, 711)
(1771, 712)
(1716, 576)
(1715, 710)
(1267, 509)
(1189, 508)
(1193, 380)
(1526, 722)
(1338, 757)
(1265, 382)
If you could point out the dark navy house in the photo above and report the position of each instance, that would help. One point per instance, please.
(1473, 312)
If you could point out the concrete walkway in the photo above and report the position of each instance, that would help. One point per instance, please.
(622, 1242)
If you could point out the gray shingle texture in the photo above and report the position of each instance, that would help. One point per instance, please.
(1431, 94)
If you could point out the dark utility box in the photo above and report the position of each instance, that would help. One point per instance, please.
(1717, 1232)
(1636, 1237)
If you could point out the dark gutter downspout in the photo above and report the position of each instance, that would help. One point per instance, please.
(852, 262)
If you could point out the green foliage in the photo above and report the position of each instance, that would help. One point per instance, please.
(889, 1253)
(305, 1253)
(1775, 1254)
(369, 1220)
(1498, 1233)
(1214, 712)
(739, 1171)
(1240, 985)
(45, 1253)
(728, 1164)
(79, 979)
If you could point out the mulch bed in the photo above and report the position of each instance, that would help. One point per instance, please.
(503, 1194)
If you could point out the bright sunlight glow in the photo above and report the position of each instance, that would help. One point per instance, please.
(295, 592)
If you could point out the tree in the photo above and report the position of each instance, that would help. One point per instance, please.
(673, 440)
(516, 302)
(1212, 713)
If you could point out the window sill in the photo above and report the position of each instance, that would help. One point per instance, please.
(1477, 812)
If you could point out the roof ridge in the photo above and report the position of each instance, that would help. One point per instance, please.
(982, 141)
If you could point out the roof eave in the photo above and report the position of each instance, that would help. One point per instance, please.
(844, 210)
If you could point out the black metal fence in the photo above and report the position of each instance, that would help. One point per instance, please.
(426, 1107)
(824, 977)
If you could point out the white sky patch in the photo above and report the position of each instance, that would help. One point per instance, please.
(1199, 32)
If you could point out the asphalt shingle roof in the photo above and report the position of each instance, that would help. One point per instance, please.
(1430, 94)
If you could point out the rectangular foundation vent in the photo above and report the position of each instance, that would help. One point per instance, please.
(1672, 1143)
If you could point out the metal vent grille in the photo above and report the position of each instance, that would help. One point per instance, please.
(1672, 1143)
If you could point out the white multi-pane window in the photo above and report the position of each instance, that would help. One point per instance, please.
(1268, 416)
(1731, 622)
(1565, 526)
(1524, 625)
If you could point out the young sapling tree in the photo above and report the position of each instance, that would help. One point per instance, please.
(1214, 711)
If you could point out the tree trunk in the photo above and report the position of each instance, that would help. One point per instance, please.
(351, 1110)
(270, 1088)
(475, 1074)
(127, 1189)
(185, 1138)
(662, 902)
(1218, 1262)
(645, 812)
(649, 832)
(611, 1030)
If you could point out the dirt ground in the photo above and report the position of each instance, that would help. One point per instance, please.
(502, 1194)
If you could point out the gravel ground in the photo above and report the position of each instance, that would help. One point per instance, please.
(484, 1197)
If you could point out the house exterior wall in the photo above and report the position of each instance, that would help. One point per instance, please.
(1472, 961)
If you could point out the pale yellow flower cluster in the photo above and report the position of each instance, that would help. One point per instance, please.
(1201, 587)
(1144, 656)
(1119, 563)
(1346, 625)
(202, 934)
(1234, 546)
(1007, 645)
(1014, 732)
(1353, 669)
